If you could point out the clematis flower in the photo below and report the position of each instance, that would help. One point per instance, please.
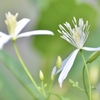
(76, 36)
(14, 28)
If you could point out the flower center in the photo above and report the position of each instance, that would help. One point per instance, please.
(11, 23)
(77, 37)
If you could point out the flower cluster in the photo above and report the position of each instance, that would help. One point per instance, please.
(76, 36)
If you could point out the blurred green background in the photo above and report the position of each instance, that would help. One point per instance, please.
(40, 52)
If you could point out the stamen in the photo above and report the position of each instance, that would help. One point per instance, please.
(11, 22)
(76, 36)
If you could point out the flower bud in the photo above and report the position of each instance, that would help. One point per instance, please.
(58, 62)
(93, 56)
(45, 85)
(71, 81)
(41, 75)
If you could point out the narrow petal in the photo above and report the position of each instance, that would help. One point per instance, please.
(37, 32)
(54, 71)
(91, 49)
(67, 66)
(3, 39)
(20, 25)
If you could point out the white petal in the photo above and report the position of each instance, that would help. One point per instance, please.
(91, 49)
(37, 32)
(67, 66)
(54, 71)
(3, 39)
(20, 25)
(63, 64)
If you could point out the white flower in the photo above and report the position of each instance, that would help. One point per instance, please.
(77, 37)
(14, 28)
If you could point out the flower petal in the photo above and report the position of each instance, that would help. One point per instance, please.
(91, 49)
(37, 32)
(66, 67)
(20, 25)
(54, 71)
(3, 39)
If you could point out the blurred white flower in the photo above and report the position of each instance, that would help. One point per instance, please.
(14, 28)
(76, 36)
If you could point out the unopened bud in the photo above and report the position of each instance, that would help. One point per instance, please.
(93, 87)
(58, 62)
(93, 56)
(71, 81)
(45, 85)
(74, 84)
(41, 75)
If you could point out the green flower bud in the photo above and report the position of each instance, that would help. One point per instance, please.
(45, 85)
(41, 75)
(93, 56)
(71, 81)
(58, 62)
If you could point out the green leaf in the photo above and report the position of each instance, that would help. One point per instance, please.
(6, 88)
(20, 74)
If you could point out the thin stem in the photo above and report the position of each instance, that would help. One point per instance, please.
(57, 96)
(51, 84)
(50, 88)
(87, 72)
(42, 85)
(86, 91)
(80, 89)
(24, 67)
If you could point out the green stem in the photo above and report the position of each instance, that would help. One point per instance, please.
(24, 67)
(56, 96)
(50, 88)
(86, 91)
(80, 89)
(88, 78)
(42, 85)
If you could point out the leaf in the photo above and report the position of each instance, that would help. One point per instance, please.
(20, 74)
(6, 88)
